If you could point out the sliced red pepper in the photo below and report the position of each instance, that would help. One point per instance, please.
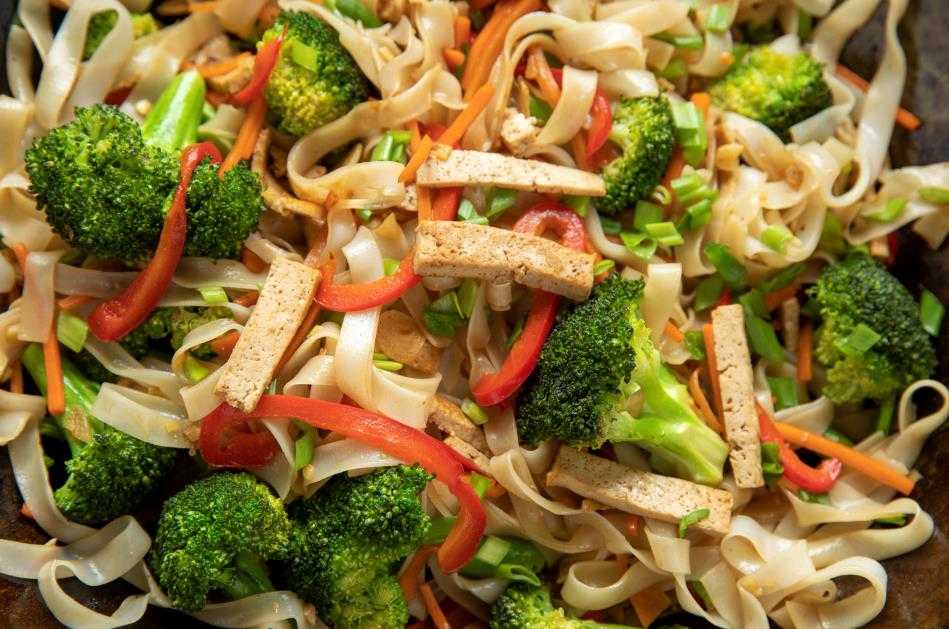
(117, 96)
(445, 205)
(601, 123)
(555, 217)
(354, 297)
(387, 435)
(817, 480)
(893, 244)
(264, 63)
(113, 319)
(725, 298)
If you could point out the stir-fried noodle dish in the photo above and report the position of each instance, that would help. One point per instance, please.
(500, 313)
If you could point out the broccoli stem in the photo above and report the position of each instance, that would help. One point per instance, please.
(173, 121)
(80, 393)
(248, 577)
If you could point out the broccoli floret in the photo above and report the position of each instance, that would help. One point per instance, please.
(214, 537)
(105, 183)
(184, 320)
(110, 473)
(598, 356)
(856, 291)
(347, 540)
(101, 24)
(315, 80)
(773, 88)
(525, 606)
(643, 129)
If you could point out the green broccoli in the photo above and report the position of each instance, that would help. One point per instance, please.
(347, 540)
(858, 300)
(773, 88)
(215, 536)
(101, 25)
(105, 183)
(315, 80)
(643, 129)
(110, 473)
(525, 606)
(598, 356)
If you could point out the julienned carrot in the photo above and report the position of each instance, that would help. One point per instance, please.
(453, 57)
(805, 349)
(634, 526)
(247, 136)
(673, 168)
(16, 377)
(434, 609)
(649, 604)
(775, 298)
(409, 577)
(224, 345)
(217, 68)
(673, 333)
(702, 101)
(906, 119)
(709, 337)
(418, 158)
(21, 252)
(73, 301)
(253, 262)
(416, 136)
(538, 67)
(698, 395)
(866, 465)
(305, 326)
(462, 30)
(424, 203)
(578, 146)
(248, 299)
(490, 41)
(55, 393)
(476, 104)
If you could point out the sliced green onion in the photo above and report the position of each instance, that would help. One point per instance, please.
(887, 412)
(356, 10)
(364, 214)
(753, 303)
(195, 370)
(439, 530)
(839, 437)
(71, 331)
(539, 109)
(522, 562)
(931, 312)
(303, 447)
(499, 201)
(776, 237)
(640, 245)
(690, 131)
(695, 343)
(805, 24)
(385, 363)
(859, 341)
(820, 499)
(696, 516)
(665, 234)
(516, 332)
(832, 235)
(400, 136)
(784, 391)
(480, 484)
(719, 19)
(468, 213)
(443, 316)
(731, 270)
(763, 339)
(390, 266)
(891, 210)
(771, 463)
(661, 195)
(580, 205)
(934, 194)
(708, 292)
(474, 412)
(892, 521)
(646, 214)
(517, 572)
(303, 55)
(674, 69)
(382, 151)
(490, 554)
(213, 295)
(610, 226)
(467, 295)
(602, 266)
(782, 279)
(686, 42)
(697, 215)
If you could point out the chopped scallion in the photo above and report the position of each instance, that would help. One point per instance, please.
(580, 205)
(213, 295)
(695, 343)
(356, 10)
(602, 266)
(480, 484)
(820, 499)
(304, 446)
(839, 437)
(885, 417)
(364, 214)
(771, 463)
(892, 521)
(71, 331)
(861, 340)
(805, 24)
(539, 109)
(467, 294)
(693, 518)
(891, 210)
(674, 69)
(731, 270)
(931, 312)
(500, 200)
(303, 55)
(784, 391)
(753, 303)
(776, 237)
(610, 226)
(646, 214)
(708, 292)
(390, 266)
(640, 245)
(686, 42)
(718, 19)
(665, 234)
(934, 194)
(474, 412)
(781, 279)
(382, 151)
(195, 370)
(385, 363)
(763, 339)
(468, 213)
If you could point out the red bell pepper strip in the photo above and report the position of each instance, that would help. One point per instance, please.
(445, 205)
(601, 123)
(494, 388)
(353, 297)
(817, 480)
(264, 63)
(113, 319)
(402, 442)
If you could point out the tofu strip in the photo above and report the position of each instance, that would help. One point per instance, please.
(447, 417)
(476, 168)
(733, 362)
(284, 301)
(651, 495)
(456, 249)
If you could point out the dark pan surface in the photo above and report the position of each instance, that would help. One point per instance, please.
(918, 582)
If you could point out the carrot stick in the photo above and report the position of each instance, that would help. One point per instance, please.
(224, 345)
(649, 603)
(305, 326)
(434, 609)
(866, 465)
(673, 169)
(906, 119)
(252, 261)
(247, 136)
(775, 298)
(248, 299)
(424, 204)
(462, 30)
(408, 580)
(418, 158)
(545, 78)
(476, 104)
(21, 252)
(55, 392)
(453, 57)
(695, 389)
(673, 333)
(73, 301)
(709, 336)
(26, 512)
(490, 41)
(702, 101)
(416, 136)
(578, 146)
(634, 526)
(217, 68)
(805, 347)
(16, 377)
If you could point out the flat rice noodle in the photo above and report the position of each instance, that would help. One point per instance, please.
(147, 417)
(117, 360)
(38, 305)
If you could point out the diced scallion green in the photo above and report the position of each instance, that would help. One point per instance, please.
(861, 340)
(784, 391)
(891, 210)
(931, 312)
(639, 244)
(213, 295)
(718, 19)
(763, 339)
(708, 292)
(693, 518)
(71, 331)
(474, 412)
(776, 237)
(195, 370)
(934, 194)
(731, 270)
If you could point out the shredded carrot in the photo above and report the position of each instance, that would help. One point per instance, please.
(305, 326)
(248, 299)
(538, 67)
(453, 57)
(462, 30)
(224, 345)
(649, 604)
(416, 136)
(175, 8)
(21, 252)
(578, 146)
(495, 490)
(698, 395)
(73, 301)
(253, 262)
(55, 393)
(424, 204)
(434, 609)
(217, 68)
(418, 158)
(673, 333)
(906, 119)
(16, 377)
(863, 463)
(476, 104)
(408, 580)
(805, 347)
(247, 136)
(488, 44)
(673, 168)
(702, 101)
(25, 511)
(709, 336)
(634, 526)
(775, 298)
